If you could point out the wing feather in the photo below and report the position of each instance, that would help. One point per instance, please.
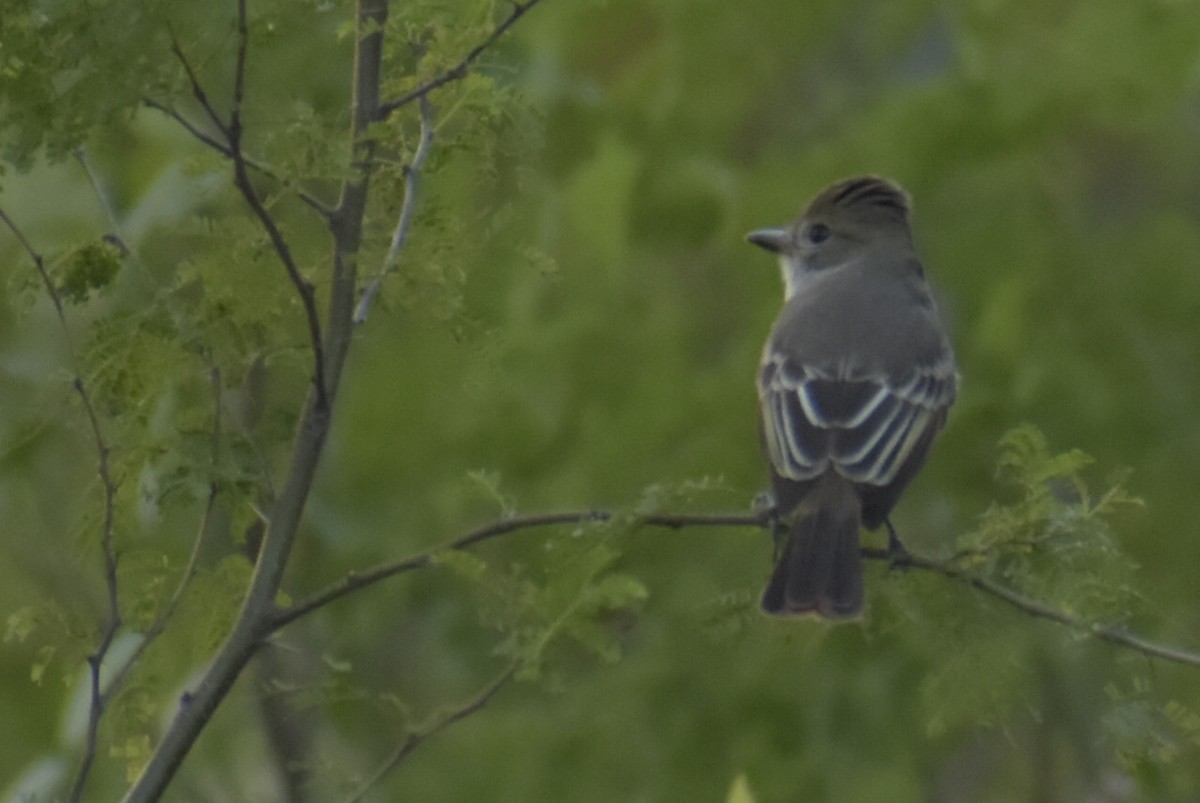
(865, 425)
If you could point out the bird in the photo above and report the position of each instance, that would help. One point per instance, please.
(856, 379)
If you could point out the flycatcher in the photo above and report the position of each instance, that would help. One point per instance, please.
(856, 379)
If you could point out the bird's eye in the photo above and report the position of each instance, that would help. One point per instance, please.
(817, 233)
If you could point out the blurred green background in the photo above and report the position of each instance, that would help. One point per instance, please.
(577, 319)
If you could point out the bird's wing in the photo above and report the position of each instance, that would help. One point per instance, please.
(863, 424)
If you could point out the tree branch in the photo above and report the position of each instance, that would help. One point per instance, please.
(1109, 633)
(412, 177)
(239, 69)
(253, 622)
(352, 203)
(96, 659)
(413, 739)
(233, 135)
(107, 547)
(315, 203)
(197, 88)
(460, 70)
(359, 580)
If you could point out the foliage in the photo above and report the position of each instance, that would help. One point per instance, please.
(574, 311)
(1054, 542)
(578, 602)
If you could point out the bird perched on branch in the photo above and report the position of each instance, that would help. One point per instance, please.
(855, 382)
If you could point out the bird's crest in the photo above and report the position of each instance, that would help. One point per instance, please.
(869, 195)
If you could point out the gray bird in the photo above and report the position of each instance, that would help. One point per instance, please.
(856, 379)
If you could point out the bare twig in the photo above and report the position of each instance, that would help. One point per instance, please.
(114, 225)
(233, 135)
(107, 547)
(317, 205)
(413, 739)
(1109, 633)
(197, 88)
(96, 659)
(412, 177)
(458, 71)
(192, 128)
(37, 258)
(359, 580)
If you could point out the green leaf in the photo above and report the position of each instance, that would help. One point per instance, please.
(487, 483)
(20, 624)
(92, 267)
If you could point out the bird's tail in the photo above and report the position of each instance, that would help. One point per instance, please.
(818, 570)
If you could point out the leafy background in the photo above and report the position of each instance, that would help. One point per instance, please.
(575, 324)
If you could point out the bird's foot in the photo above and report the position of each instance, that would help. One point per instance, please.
(898, 555)
(764, 507)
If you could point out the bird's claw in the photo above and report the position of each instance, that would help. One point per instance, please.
(898, 555)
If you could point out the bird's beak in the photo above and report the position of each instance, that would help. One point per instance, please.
(773, 240)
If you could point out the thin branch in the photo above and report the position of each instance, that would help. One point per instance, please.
(413, 739)
(239, 71)
(412, 178)
(359, 580)
(114, 225)
(189, 126)
(458, 71)
(233, 135)
(1109, 633)
(319, 206)
(190, 568)
(315, 203)
(107, 547)
(37, 258)
(304, 288)
(197, 88)
(96, 659)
